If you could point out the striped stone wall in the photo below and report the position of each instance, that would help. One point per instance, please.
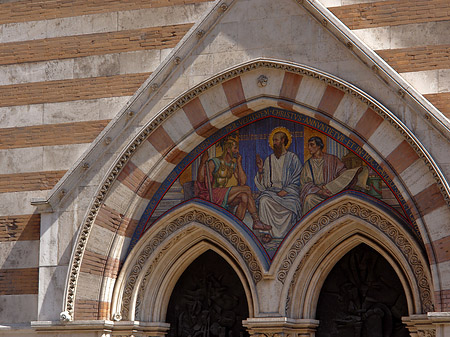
(66, 69)
(411, 36)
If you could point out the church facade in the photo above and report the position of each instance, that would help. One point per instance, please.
(273, 176)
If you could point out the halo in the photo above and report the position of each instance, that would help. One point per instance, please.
(280, 129)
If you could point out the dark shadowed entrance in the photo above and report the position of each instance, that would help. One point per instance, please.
(208, 300)
(362, 297)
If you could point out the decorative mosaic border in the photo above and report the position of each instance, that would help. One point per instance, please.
(195, 92)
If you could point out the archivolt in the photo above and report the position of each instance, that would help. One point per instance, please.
(334, 230)
(185, 228)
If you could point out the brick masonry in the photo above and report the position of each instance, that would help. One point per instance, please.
(442, 300)
(97, 264)
(418, 58)
(440, 101)
(19, 281)
(71, 90)
(23, 11)
(51, 134)
(91, 309)
(92, 44)
(33, 181)
(20, 227)
(390, 13)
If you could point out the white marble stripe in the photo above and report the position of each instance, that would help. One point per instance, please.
(406, 36)
(19, 202)
(19, 254)
(100, 240)
(429, 81)
(82, 67)
(385, 138)
(88, 286)
(121, 199)
(437, 223)
(107, 289)
(146, 157)
(102, 23)
(417, 177)
(41, 158)
(63, 112)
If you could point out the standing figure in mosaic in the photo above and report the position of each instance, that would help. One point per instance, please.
(278, 180)
(324, 175)
(213, 177)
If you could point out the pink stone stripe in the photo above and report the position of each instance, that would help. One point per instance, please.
(402, 157)
(131, 176)
(441, 249)
(148, 188)
(330, 100)
(161, 141)
(289, 89)
(235, 96)
(368, 123)
(199, 120)
(429, 199)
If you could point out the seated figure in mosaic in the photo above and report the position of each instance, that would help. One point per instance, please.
(213, 177)
(324, 175)
(278, 180)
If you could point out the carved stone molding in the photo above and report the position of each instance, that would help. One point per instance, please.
(194, 93)
(280, 327)
(374, 218)
(196, 216)
(153, 265)
(426, 333)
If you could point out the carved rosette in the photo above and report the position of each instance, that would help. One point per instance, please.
(375, 219)
(196, 216)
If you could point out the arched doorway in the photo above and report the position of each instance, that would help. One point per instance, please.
(208, 300)
(362, 297)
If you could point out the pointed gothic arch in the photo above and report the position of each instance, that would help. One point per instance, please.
(332, 231)
(147, 279)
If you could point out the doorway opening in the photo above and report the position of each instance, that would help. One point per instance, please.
(362, 297)
(208, 300)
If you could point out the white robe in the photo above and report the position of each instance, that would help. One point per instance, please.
(279, 174)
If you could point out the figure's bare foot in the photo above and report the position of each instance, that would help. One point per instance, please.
(266, 238)
(261, 226)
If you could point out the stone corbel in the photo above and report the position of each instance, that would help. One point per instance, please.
(280, 327)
